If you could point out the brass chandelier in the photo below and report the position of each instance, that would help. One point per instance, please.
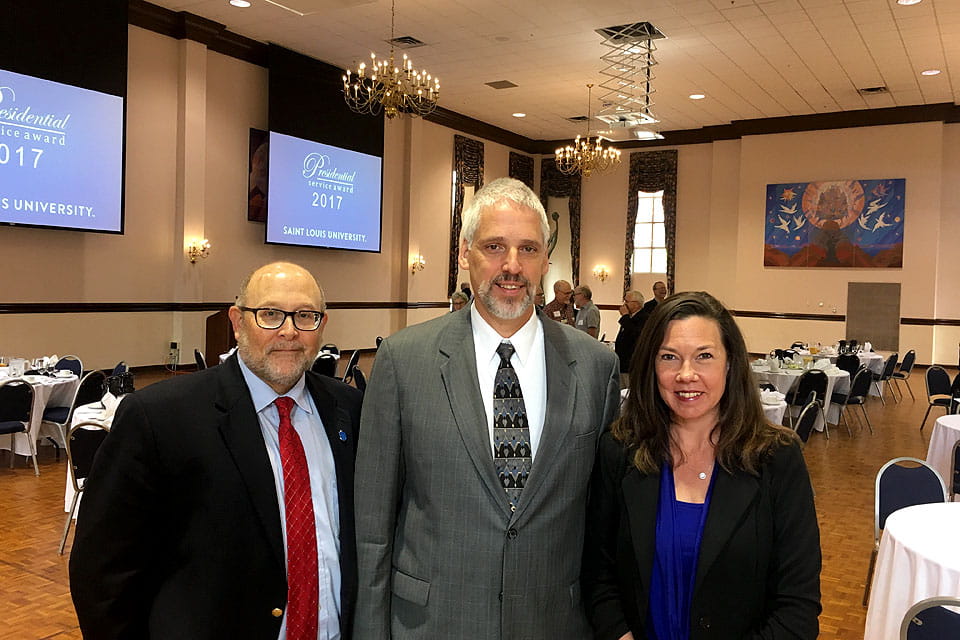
(586, 155)
(395, 90)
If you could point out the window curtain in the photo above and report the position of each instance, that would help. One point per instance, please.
(468, 170)
(521, 168)
(652, 171)
(557, 185)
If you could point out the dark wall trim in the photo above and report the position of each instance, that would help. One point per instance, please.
(823, 317)
(181, 24)
(153, 307)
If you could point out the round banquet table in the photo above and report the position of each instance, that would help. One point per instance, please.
(785, 379)
(47, 391)
(774, 412)
(946, 431)
(919, 558)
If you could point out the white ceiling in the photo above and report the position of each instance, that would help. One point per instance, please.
(752, 58)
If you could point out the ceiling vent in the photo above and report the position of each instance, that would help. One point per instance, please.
(406, 42)
(872, 91)
(501, 84)
(632, 31)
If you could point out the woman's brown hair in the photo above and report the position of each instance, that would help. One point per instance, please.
(743, 434)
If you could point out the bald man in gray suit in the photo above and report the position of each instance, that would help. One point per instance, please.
(461, 532)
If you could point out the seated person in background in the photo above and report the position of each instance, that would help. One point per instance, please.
(588, 315)
(458, 301)
(560, 308)
(701, 520)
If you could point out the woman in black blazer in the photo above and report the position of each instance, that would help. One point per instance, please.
(701, 521)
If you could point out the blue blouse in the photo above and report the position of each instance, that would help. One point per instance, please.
(678, 535)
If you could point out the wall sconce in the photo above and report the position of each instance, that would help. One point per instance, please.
(417, 263)
(601, 273)
(198, 248)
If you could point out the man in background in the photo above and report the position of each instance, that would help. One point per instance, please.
(221, 504)
(659, 293)
(471, 487)
(588, 315)
(560, 308)
(632, 319)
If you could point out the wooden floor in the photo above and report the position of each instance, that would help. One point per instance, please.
(34, 591)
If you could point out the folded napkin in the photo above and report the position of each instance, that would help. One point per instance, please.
(867, 347)
(771, 397)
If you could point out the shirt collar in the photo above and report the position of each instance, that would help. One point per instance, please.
(263, 396)
(487, 339)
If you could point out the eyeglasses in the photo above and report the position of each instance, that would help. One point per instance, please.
(273, 319)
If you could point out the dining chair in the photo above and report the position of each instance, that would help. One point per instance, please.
(955, 470)
(849, 362)
(884, 376)
(83, 440)
(351, 363)
(325, 365)
(767, 386)
(954, 394)
(379, 340)
(938, 390)
(70, 363)
(811, 380)
(91, 386)
(199, 359)
(121, 367)
(359, 379)
(16, 405)
(930, 619)
(856, 395)
(797, 345)
(330, 348)
(897, 486)
(903, 372)
(806, 420)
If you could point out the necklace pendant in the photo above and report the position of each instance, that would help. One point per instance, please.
(702, 476)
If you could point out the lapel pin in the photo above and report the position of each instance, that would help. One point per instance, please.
(343, 435)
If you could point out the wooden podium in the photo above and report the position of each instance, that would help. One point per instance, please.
(219, 336)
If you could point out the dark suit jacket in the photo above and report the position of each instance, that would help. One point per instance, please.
(649, 306)
(630, 328)
(179, 533)
(758, 574)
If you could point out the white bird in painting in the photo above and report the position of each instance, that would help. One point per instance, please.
(875, 206)
(879, 224)
(784, 224)
(792, 209)
(798, 222)
(863, 221)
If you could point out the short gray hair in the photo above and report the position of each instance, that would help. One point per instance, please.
(584, 291)
(491, 194)
(633, 296)
(460, 295)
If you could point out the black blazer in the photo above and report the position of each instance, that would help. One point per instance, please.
(758, 575)
(627, 337)
(179, 533)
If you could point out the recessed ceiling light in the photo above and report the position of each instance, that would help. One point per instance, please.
(930, 72)
(641, 134)
(908, 2)
(243, 4)
(697, 96)
(519, 115)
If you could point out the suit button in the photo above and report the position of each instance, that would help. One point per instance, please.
(500, 596)
(512, 533)
(276, 613)
(704, 622)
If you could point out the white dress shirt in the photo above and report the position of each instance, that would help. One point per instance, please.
(323, 489)
(527, 360)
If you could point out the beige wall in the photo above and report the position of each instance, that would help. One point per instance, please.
(188, 116)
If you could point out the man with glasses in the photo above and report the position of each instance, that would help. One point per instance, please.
(560, 308)
(221, 504)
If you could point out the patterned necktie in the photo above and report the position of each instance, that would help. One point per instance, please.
(302, 575)
(511, 429)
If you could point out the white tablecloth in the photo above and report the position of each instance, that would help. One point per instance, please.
(946, 431)
(786, 379)
(47, 391)
(919, 558)
(84, 413)
(774, 412)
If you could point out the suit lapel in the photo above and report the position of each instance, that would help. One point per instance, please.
(731, 496)
(561, 408)
(459, 374)
(240, 430)
(641, 494)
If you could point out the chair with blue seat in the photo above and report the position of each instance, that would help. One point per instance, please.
(930, 619)
(848, 362)
(16, 406)
(880, 379)
(901, 482)
(903, 372)
(359, 379)
(351, 363)
(120, 368)
(70, 363)
(89, 390)
(82, 443)
(938, 390)
(856, 396)
(811, 380)
(325, 365)
(806, 420)
(955, 470)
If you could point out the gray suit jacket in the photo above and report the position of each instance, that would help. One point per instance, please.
(440, 553)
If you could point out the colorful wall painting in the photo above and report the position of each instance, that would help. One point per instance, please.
(839, 223)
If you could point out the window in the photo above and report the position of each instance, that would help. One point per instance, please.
(649, 235)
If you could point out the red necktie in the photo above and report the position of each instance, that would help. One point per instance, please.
(302, 578)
